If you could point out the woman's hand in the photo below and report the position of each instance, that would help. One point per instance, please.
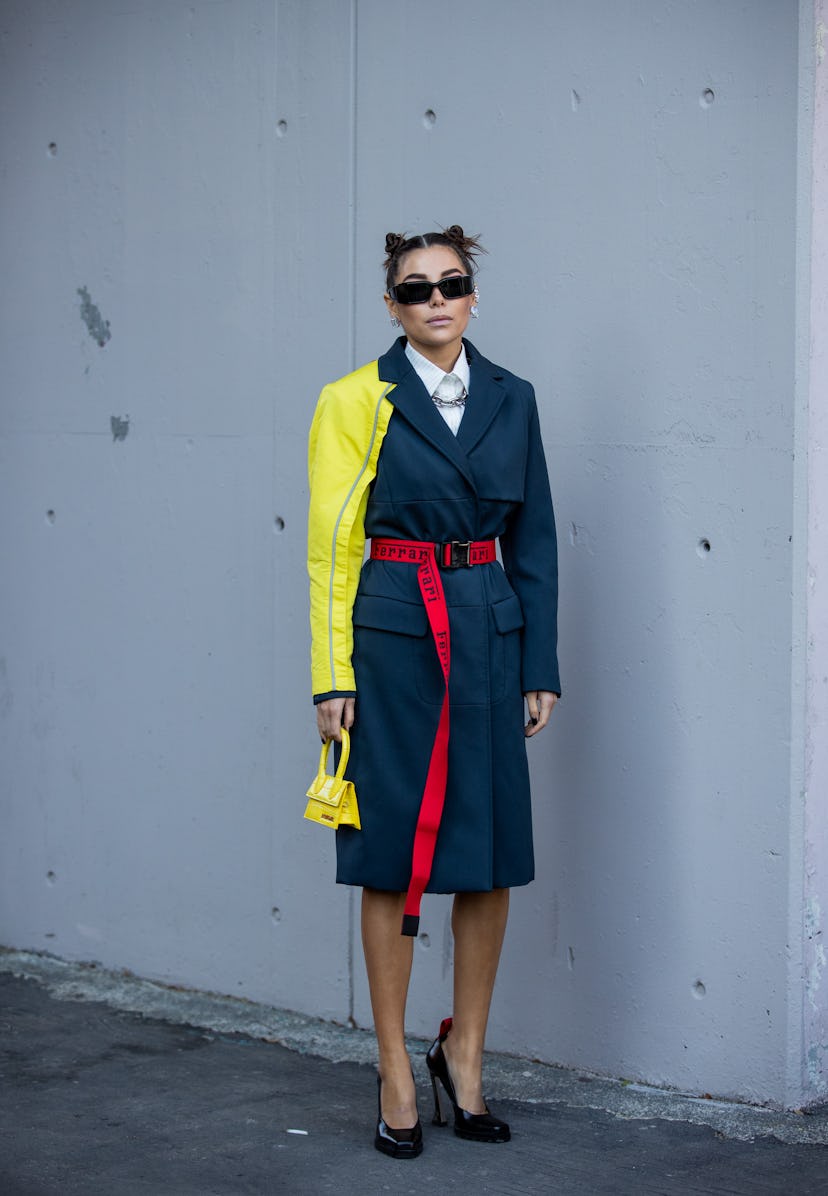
(541, 703)
(332, 715)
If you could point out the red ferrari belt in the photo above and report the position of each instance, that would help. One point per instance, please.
(456, 554)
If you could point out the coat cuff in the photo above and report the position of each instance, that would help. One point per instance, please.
(551, 685)
(334, 693)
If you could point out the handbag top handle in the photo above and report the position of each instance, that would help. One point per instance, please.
(343, 758)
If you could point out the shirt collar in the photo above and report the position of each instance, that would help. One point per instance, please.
(431, 375)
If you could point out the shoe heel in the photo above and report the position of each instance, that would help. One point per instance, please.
(438, 1118)
(480, 1127)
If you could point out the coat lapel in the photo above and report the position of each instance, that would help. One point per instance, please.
(412, 401)
(486, 394)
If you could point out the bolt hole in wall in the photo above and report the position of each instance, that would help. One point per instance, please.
(699, 990)
(50, 516)
(51, 877)
(707, 97)
(281, 128)
(703, 547)
(278, 524)
(276, 915)
(52, 149)
(429, 118)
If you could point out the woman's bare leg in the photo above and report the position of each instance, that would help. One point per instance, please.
(479, 924)
(388, 956)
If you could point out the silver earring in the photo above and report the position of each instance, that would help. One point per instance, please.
(474, 313)
(395, 323)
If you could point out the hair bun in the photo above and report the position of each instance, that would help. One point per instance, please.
(397, 245)
(392, 243)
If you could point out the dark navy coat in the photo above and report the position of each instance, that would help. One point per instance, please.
(490, 481)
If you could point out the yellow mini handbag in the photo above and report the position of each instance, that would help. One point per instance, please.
(333, 800)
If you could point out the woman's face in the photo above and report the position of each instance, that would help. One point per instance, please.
(434, 326)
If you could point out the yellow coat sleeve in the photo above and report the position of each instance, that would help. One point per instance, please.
(346, 436)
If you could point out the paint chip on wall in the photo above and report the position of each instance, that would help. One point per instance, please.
(96, 325)
(119, 426)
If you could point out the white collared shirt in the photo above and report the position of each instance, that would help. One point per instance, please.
(431, 376)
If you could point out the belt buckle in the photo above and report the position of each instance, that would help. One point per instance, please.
(459, 554)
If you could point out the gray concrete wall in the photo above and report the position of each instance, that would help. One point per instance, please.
(815, 829)
(205, 189)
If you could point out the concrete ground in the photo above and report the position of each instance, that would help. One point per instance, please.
(114, 1086)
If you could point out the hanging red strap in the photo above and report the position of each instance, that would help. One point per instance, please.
(434, 793)
(453, 555)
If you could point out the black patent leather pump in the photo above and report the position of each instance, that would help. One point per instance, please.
(399, 1144)
(478, 1127)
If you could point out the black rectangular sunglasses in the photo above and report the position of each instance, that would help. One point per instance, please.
(420, 291)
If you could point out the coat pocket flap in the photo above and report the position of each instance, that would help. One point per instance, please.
(508, 615)
(389, 614)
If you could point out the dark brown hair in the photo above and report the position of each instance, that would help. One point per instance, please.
(397, 245)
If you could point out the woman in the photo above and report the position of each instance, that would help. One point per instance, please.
(426, 652)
